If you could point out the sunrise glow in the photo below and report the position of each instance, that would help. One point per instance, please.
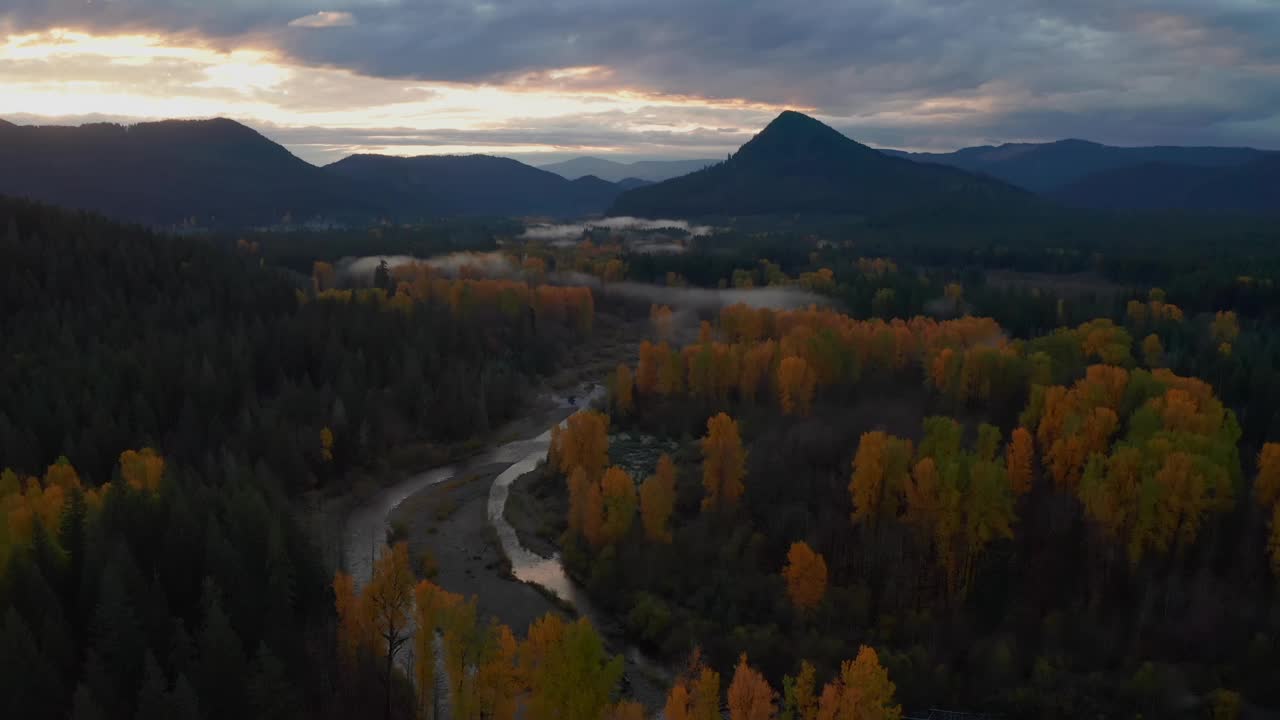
(132, 77)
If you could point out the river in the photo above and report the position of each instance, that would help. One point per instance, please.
(366, 526)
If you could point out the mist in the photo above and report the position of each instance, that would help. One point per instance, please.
(697, 299)
(572, 231)
(490, 264)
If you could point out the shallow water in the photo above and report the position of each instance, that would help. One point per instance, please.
(365, 534)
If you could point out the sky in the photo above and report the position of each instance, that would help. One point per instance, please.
(545, 80)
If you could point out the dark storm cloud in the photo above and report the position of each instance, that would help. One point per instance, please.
(909, 72)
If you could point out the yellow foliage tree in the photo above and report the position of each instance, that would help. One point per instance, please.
(326, 444)
(619, 504)
(862, 691)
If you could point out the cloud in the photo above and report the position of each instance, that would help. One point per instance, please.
(920, 74)
(324, 19)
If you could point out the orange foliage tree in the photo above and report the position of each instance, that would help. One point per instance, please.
(806, 576)
(142, 469)
(880, 469)
(658, 499)
(750, 696)
(623, 387)
(795, 386)
(584, 443)
(1019, 459)
(724, 463)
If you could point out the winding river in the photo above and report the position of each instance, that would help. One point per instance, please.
(365, 532)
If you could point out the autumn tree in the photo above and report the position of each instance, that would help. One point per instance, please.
(326, 445)
(569, 674)
(756, 362)
(585, 443)
(800, 697)
(1152, 351)
(430, 604)
(795, 386)
(1266, 489)
(862, 691)
(619, 499)
(695, 695)
(661, 318)
(806, 576)
(353, 630)
(579, 488)
(724, 463)
(671, 371)
(623, 387)
(880, 467)
(388, 601)
(750, 697)
(1019, 459)
(323, 276)
(1225, 327)
(593, 515)
(657, 500)
(647, 369)
(142, 469)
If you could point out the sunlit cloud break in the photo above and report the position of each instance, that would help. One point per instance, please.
(324, 19)
(63, 75)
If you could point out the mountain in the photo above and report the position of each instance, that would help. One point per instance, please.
(1048, 167)
(797, 164)
(632, 183)
(475, 185)
(163, 173)
(1253, 188)
(219, 173)
(650, 170)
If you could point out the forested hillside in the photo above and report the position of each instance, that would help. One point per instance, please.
(206, 173)
(1055, 527)
(161, 401)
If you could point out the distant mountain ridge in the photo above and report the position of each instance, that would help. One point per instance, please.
(1051, 166)
(476, 185)
(1250, 188)
(613, 171)
(220, 173)
(797, 164)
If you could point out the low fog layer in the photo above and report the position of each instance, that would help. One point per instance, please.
(495, 264)
(491, 264)
(575, 230)
(698, 299)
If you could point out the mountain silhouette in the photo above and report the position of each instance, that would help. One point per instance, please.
(650, 170)
(799, 165)
(220, 173)
(1251, 188)
(1049, 167)
(164, 173)
(475, 185)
